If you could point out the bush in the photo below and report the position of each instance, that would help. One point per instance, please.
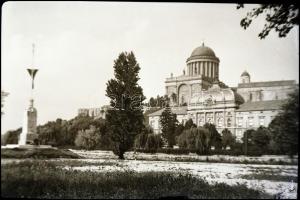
(88, 139)
(227, 138)
(153, 142)
(11, 137)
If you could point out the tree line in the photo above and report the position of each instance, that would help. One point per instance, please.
(125, 129)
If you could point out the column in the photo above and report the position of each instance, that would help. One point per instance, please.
(201, 68)
(214, 70)
(210, 66)
(208, 69)
(224, 121)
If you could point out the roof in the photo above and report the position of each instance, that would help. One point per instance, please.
(182, 110)
(245, 73)
(203, 51)
(267, 84)
(261, 105)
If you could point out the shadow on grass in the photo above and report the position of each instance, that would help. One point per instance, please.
(40, 179)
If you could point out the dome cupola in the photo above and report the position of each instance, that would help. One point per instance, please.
(204, 63)
(245, 77)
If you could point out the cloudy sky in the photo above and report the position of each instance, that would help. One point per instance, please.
(77, 42)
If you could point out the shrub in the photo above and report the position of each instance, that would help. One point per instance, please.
(153, 142)
(227, 138)
(88, 139)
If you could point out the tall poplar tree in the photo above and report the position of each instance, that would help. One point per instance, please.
(168, 121)
(125, 119)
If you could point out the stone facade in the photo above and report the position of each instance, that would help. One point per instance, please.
(94, 112)
(198, 95)
(29, 132)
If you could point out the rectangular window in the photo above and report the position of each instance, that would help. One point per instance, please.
(240, 121)
(261, 121)
(250, 121)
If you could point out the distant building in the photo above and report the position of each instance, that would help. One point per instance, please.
(94, 112)
(198, 94)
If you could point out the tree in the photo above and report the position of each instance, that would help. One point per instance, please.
(284, 127)
(153, 142)
(11, 137)
(227, 139)
(89, 138)
(261, 138)
(125, 120)
(174, 97)
(189, 124)
(279, 17)
(179, 129)
(141, 139)
(195, 139)
(214, 136)
(168, 121)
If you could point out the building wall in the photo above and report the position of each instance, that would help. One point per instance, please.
(265, 93)
(252, 120)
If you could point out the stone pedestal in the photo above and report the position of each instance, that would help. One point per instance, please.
(29, 133)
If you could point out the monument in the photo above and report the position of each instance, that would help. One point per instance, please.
(29, 133)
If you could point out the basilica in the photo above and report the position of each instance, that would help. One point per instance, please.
(198, 94)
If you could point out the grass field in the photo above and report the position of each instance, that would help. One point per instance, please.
(20, 153)
(40, 179)
(89, 176)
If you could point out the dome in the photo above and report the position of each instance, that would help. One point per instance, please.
(245, 73)
(203, 51)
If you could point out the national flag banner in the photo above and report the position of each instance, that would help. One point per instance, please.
(32, 73)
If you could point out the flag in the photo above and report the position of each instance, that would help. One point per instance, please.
(32, 73)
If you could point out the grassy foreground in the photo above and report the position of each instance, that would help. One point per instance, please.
(37, 153)
(40, 179)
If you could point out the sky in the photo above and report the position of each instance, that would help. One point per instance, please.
(76, 44)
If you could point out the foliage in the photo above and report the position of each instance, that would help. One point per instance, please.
(189, 124)
(11, 137)
(179, 129)
(159, 101)
(40, 153)
(261, 138)
(284, 127)
(141, 139)
(168, 121)
(42, 179)
(215, 137)
(125, 121)
(89, 138)
(153, 142)
(195, 139)
(279, 17)
(227, 139)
